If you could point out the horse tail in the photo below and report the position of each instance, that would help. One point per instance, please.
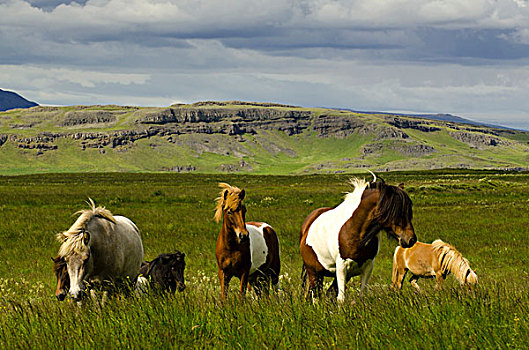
(451, 261)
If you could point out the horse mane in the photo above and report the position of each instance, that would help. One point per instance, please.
(232, 199)
(393, 204)
(452, 261)
(358, 184)
(72, 240)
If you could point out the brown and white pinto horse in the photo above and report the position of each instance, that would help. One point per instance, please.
(249, 251)
(343, 241)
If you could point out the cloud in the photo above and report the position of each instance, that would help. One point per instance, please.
(422, 55)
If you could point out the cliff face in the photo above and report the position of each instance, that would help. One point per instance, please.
(246, 134)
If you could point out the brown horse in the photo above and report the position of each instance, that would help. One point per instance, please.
(248, 251)
(343, 242)
(63, 279)
(431, 260)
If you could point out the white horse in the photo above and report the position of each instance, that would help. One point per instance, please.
(100, 247)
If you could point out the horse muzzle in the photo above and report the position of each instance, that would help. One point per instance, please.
(60, 296)
(78, 295)
(409, 243)
(243, 238)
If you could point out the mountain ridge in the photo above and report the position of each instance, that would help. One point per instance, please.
(11, 100)
(247, 137)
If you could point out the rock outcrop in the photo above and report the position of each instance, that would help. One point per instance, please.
(229, 121)
(335, 125)
(409, 124)
(78, 118)
(478, 140)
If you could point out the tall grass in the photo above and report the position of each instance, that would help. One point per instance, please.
(484, 214)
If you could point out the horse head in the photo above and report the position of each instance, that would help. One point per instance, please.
(76, 253)
(394, 213)
(233, 212)
(175, 264)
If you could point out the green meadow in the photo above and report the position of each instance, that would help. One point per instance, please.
(482, 213)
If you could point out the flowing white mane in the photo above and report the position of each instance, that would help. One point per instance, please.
(359, 185)
(72, 240)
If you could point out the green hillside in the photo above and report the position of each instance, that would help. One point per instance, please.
(208, 137)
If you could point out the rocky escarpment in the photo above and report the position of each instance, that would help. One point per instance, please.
(478, 140)
(335, 125)
(238, 133)
(401, 123)
(230, 121)
(78, 118)
(408, 149)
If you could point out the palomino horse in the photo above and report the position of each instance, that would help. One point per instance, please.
(431, 260)
(343, 241)
(100, 247)
(63, 279)
(249, 251)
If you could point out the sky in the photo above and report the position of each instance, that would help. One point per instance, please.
(468, 58)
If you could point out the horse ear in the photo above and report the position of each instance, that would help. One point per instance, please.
(401, 185)
(241, 195)
(86, 237)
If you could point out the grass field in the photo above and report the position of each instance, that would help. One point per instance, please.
(483, 213)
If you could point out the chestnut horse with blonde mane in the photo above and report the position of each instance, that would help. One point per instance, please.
(342, 242)
(438, 260)
(246, 250)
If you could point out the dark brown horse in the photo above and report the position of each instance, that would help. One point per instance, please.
(343, 241)
(248, 251)
(165, 273)
(63, 279)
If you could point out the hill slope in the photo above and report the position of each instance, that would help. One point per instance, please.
(245, 137)
(10, 100)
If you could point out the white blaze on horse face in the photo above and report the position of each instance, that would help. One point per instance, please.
(258, 247)
(77, 271)
(323, 233)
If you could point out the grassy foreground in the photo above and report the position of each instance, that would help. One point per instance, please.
(484, 214)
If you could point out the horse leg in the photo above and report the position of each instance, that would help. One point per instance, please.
(341, 279)
(399, 274)
(224, 283)
(244, 284)
(439, 278)
(314, 283)
(413, 281)
(366, 275)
